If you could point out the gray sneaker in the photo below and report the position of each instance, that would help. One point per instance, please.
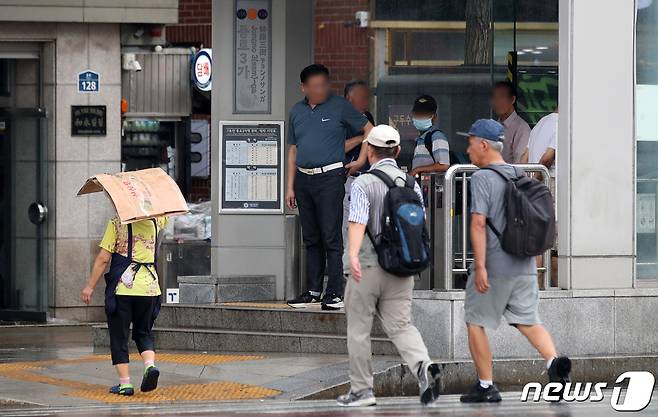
(362, 398)
(429, 381)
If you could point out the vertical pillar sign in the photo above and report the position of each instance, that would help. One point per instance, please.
(253, 57)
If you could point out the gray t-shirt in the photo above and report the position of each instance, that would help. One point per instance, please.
(488, 199)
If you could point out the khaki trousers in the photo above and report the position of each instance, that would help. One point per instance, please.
(389, 298)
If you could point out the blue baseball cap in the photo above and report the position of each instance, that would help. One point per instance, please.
(488, 129)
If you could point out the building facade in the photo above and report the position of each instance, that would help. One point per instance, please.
(45, 156)
(605, 197)
(599, 70)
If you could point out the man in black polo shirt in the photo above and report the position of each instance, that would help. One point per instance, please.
(317, 132)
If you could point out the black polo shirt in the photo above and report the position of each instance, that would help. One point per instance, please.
(320, 133)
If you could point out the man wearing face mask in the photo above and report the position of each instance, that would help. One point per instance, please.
(432, 152)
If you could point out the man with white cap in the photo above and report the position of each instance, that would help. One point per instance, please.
(371, 291)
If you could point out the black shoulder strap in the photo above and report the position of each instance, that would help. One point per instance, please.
(130, 242)
(428, 140)
(493, 228)
(382, 176)
(411, 182)
(155, 241)
(506, 177)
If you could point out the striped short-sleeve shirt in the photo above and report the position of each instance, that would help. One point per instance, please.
(367, 201)
(440, 150)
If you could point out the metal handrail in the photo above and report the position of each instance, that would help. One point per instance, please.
(462, 172)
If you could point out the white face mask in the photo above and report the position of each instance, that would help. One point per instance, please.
(422, 124)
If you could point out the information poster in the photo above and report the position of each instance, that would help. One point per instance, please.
(253, 56)
(252, 176)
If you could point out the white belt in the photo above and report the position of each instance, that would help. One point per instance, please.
(320, 170)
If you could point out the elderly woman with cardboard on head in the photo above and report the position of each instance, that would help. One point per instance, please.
(132, 294)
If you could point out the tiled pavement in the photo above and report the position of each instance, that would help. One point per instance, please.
(55, 366)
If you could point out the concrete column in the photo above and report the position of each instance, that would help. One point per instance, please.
(253, 244)
(596, 145)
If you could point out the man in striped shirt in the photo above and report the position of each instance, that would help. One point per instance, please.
(432, 152)
(371, 291)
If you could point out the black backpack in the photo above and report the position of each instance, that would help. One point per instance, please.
(530, 215)
(455, 159)
(403, 248)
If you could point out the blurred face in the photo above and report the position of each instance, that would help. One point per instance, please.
(424, 116)
(476, 150)
(359, 96)
(316, 88)
(501, 102)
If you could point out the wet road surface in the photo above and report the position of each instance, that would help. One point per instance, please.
(50, 343)
(391, 407)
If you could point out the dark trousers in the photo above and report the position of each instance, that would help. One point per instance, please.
(137, 310)
(320, 201)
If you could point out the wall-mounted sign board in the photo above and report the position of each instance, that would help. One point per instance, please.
(252, 167)
(88, 120)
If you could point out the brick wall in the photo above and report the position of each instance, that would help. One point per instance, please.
(194, 12)
(339, 44)
(194, 24)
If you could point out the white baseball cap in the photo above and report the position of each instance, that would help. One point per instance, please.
(383, 136)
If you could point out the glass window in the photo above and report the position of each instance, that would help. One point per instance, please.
(646, 130)
(453, 50)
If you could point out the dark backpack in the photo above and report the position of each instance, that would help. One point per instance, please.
(403, 246)
(530, 215)
(455, 159)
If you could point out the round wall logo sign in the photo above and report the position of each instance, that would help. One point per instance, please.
(202, 70)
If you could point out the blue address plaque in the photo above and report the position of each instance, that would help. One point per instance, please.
(89, 82)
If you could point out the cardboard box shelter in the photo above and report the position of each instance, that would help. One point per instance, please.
(139, 195)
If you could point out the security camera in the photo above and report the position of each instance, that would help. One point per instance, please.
(130, 63)
(362, 18)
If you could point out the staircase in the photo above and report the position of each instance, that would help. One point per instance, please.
(253, 327)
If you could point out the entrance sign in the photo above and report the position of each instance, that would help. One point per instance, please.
(88, 120)
(89, 82)
(252, 174)
(253, 57)
(202, 70)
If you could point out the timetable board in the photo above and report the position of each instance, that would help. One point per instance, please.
(252, 159)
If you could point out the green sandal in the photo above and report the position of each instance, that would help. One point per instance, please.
(125, 389)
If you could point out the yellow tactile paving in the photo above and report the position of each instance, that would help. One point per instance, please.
(215, 391)
(27, 376)
(255, 305)
(181, 358)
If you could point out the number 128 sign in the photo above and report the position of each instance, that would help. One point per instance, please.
(89, 82)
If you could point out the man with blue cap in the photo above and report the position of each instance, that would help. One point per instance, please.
(499, 284)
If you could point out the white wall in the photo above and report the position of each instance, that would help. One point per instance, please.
(596, 145)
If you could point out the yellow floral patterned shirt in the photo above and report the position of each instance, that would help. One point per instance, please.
(115, 240)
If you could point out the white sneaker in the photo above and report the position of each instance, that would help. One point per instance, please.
(363, 398)
(429, 381)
